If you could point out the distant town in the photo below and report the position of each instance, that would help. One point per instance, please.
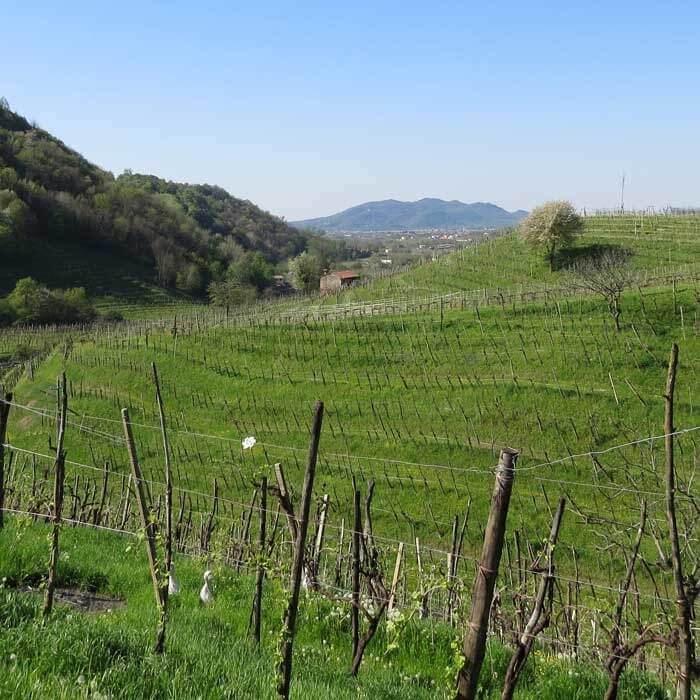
(391, 249)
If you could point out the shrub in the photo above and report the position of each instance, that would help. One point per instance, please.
(30, 302)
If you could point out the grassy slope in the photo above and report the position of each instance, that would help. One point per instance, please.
(395, 388)
(209, 654)
(399, 389)
(113, 280)
(549, 380)
(121, 284)
(505, 261)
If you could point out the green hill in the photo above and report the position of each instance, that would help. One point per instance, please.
(68, 221)
(505, 262)
(427, 213)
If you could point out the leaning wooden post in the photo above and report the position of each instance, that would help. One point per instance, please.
(685, 639)
(149, 526)
(260, 577)
(4, 418)
(59, 475)
(539, 619)
(168, 540)
(284, 671)
(482, 593)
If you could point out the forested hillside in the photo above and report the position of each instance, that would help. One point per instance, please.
(180, 236)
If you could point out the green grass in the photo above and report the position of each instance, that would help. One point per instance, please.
(399, 388)
(418, 403)
(208, 651)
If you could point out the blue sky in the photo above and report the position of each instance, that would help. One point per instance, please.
(309, 108)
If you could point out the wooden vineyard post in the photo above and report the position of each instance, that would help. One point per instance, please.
(423, 612)
(482, 592)
(685, 639)
(149, 527)
(317, 547)
(355, 609)
(260, 575)
(59, 476)
(4, 418)
(284, 671)
(286, 501)
(395, 579)
(97, 514)
(539, 619)
(168, 540)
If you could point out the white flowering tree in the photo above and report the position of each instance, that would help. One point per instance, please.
(551, 227)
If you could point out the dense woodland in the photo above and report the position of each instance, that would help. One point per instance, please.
(188, 236)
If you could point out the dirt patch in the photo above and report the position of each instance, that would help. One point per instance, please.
(83, 600)
(25, 422)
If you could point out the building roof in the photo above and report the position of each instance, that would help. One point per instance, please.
(346, 274)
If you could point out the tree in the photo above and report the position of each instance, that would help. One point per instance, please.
(25, 297)
(8, 179)
(251, 270)
(552, 226)
(31, 302)
(229, 293)
(79, 305)
(230, 250)
(306, 272)
(166, 259)
(16, 213)
(607, 275)
(190, 279)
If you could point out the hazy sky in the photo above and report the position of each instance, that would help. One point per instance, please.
(308, 108)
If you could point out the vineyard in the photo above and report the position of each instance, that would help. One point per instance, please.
(478, 386)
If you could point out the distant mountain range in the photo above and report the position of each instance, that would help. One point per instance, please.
(428, 213)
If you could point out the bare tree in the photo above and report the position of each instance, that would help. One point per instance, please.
(607, 275)
(166, 261)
